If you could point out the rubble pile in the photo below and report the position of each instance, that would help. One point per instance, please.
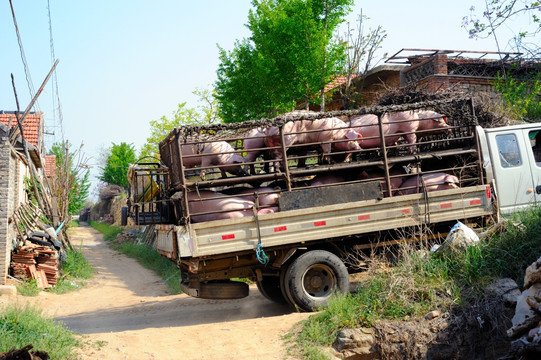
(526, 329)
(36, 262)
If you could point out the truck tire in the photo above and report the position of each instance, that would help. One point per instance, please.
(269, 287)
(124, 216)
(313, 277)
(223, 290)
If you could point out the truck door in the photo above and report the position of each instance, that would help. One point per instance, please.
(532, 139)
(510, 156)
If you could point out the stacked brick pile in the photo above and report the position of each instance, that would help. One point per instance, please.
(36, 262)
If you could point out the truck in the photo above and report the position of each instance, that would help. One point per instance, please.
(329, 208)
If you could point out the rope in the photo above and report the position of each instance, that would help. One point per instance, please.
(260, 254)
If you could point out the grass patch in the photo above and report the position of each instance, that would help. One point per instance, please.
(28, 288)
(22, 326)
(109, 231)
(418, 283)
(145, 255)
(75, 271)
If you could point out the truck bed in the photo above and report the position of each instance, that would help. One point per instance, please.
(323, 222)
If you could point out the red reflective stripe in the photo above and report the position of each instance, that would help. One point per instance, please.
(363, 217)
(227, 237)
(489, 195)
(446, 206)
(406, 211)
(280, 228)
(475, 202)
(320, 223)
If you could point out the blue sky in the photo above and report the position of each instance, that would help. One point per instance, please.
(124, 63)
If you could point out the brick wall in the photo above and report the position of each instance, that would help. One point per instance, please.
(8, 186)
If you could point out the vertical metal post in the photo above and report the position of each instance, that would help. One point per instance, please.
(384, 153)
(477, 144)
(182, 178)
(284, 158)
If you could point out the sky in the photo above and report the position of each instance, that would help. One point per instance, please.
(124, 63)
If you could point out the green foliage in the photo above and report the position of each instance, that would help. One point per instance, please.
(22, 326)
(109, 232)
(206, 113)
(521, 97)
(160, 128)
(75, 270)
(290, 56)
(28, 288)
(116, 168)
(416, 284)
(73, 175)
(77, 266)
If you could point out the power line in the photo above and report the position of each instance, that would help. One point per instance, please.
(54, 83)
(23, 56)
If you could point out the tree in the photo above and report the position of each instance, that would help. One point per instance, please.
(497, 13)
(360, 54)
(205, 114)
(118, 161)
(289, 57)
(70, 185)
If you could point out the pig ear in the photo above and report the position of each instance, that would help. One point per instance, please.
(351, 135)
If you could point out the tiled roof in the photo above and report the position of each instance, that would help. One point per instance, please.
(50, 165)
(31, 125)
(338, 81)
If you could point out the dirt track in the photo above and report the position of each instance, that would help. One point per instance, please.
(129, 308)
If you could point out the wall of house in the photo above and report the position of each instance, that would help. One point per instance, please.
(8, 194)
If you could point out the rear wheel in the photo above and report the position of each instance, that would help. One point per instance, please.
(124, 216)
(269, 287)
(313, 277)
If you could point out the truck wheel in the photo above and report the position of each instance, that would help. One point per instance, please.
(124, 216)
(269, 287)
(223, 290)
(313, 277)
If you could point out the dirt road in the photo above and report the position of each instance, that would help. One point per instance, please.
(129, 308)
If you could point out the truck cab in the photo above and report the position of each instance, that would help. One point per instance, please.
(512, 160)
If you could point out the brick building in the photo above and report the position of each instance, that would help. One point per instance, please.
(13, 170)
(428, 70)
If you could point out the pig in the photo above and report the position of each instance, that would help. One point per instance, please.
(322, 132)
(266, 196)
(395, 177)
(329, 179)
(218, 153)
(205, 201)
(255, 139)
(432, 182)
(421, 123)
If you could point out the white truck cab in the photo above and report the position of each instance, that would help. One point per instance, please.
(512, 160)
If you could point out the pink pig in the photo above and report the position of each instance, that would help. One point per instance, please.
(396, 175)
(418, 123)
(254, 145)
(432, 182)
(218, 153)
(320, 132)
(206, 201)
(265, 195)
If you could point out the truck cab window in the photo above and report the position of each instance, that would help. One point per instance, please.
(508, 150)
(535, 142)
